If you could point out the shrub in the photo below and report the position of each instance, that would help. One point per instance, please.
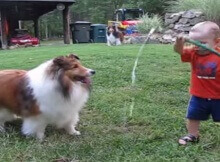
(147, 23)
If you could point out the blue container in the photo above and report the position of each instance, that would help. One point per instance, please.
(98, 33)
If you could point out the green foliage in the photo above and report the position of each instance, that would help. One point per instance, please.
(29, 25)
(51, 25)
(95, 11)
(147, 23)
(109, 134)
(211, 8)
(98, 11)
(154, 6)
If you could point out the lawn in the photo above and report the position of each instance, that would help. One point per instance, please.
(109, 132)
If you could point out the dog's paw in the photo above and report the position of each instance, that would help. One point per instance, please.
(74, 132)
(77, 133)
(40, 136)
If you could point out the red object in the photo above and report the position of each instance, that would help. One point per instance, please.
(205, 73)
(23, 38)
(130, 22)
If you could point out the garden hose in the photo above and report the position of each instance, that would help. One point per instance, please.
(197, 43)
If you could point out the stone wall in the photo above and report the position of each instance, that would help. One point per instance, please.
(180, 23)
(175, 24)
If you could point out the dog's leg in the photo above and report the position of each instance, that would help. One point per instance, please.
(108, 43)
(34, 126)
(70, 127)
(5, 115)
(118, 42)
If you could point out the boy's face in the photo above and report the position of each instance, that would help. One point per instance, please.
(205, 35)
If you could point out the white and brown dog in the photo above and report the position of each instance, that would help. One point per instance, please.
(52, 93)
(114, 36)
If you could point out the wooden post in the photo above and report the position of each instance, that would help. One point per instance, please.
(36, 28)
(13, 25)
(19, 24)
(3, 26)
(0, 28)
(66, 25)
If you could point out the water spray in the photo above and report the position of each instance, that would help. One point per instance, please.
(133, 74)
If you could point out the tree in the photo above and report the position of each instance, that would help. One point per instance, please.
(51, 25)
(95, 11)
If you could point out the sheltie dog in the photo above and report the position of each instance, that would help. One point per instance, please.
(114, 36)
(52, 93)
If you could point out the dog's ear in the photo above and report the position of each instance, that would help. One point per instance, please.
(61, 62)
(73, 56)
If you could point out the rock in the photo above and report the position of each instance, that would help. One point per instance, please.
(137, 39)
(167, 37)
(179, 23)
(153, 41)
(195, 20)
(171, 21)
(171, 26)
(183, 27)
(167, 15)
(127, 40)
(173, 39)
(177, 26)
(179, 14)
(198, 14)
(183, 20)
(140, 39)
(175, 18)
(189, 14)
(168, 22)
(169, 31)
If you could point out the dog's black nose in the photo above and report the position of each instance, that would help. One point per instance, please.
(92, 72)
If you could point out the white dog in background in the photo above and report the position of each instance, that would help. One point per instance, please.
(114, 36)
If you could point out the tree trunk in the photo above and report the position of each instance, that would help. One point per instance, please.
(36, 28)
(66, 25)
(46, 31)
(3, 27)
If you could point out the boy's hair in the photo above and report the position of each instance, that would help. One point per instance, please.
(212, 27)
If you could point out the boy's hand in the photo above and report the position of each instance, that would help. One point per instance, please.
(179, 44)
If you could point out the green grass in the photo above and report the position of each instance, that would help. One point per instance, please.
(108, 132)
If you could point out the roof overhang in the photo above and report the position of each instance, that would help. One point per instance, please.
(30, 9)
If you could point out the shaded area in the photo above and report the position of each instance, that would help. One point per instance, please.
(11, 11)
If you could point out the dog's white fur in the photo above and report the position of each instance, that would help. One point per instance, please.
(112, 40)
(114, 36)
(54, 107)
(56, 110)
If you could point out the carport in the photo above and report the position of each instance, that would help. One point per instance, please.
(11, 11)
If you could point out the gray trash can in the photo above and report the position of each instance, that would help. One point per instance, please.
(80, 31)
(98, 33)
